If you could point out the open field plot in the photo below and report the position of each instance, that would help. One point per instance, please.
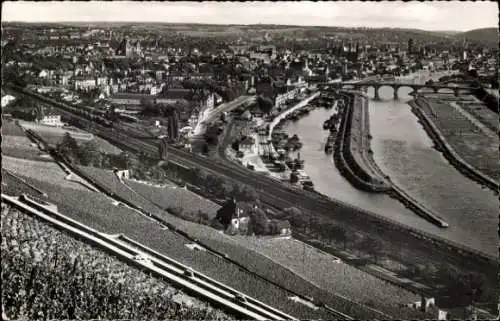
(98, 211)
(173, 196)
(42, 170)
(482, 113)
(468, 141)
(53, 135)
(10, 128)
(109, 181)
(15, 143)
(22, 147)
(106, 147)
(339, 278)
(64, 265)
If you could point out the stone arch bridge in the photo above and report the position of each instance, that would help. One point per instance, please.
(395, 86)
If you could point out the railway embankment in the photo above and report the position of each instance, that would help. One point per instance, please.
(424, 111)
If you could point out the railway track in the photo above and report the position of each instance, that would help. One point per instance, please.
(150, 261)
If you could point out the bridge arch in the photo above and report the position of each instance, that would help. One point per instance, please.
(398, 87)
(381, 86)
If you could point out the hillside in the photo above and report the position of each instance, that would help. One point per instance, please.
(489, 35)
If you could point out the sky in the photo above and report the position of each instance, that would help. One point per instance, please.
(431, 15)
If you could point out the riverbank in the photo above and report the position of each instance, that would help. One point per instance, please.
(278, 119)
(352, 147)
(354, 158)
(437, 130)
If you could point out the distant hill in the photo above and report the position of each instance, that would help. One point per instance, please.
(489, 35)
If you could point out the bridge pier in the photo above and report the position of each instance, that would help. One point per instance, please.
(396, 96)
(375, 90)
(435, 89)
(456, 92)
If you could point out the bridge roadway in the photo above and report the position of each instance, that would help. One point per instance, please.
(394, 84)
(278, 195)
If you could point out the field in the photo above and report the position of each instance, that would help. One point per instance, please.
(11, 129)
(42, 170)
(53, 135)
(22, 147)
(48, 274)
(482, 113)
(16, 144)
(173, 196)
(475, 147)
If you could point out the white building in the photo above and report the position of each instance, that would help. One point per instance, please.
(52, 120)
(7, 99)
(84, 83)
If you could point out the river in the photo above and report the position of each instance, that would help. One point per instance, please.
(403, 151)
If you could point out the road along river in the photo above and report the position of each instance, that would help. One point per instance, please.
(403, 151)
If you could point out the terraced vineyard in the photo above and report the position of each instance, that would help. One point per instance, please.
(48, 274)
(171, 196)
(98, 211)
(251, 260)
(338, 277)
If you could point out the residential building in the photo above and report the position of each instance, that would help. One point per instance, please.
(247, 145)
(51, 119)
(234, 216)
(84, 82)
(7, 99)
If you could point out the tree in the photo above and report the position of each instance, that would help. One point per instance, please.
(216, 224)
(340, 234)
(265, 104)
(296, 217)
(68, 147)
(258, 221)
(89, 154)
(372, 246)
(235, 145)
(249, 194)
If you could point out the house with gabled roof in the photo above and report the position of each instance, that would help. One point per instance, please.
(234, 216)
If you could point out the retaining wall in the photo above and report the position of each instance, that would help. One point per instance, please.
(351, 148)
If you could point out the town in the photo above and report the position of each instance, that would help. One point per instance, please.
(196, 171)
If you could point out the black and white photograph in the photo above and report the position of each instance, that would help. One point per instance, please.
(252, 160)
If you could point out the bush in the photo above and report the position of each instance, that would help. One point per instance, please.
(216, 224)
